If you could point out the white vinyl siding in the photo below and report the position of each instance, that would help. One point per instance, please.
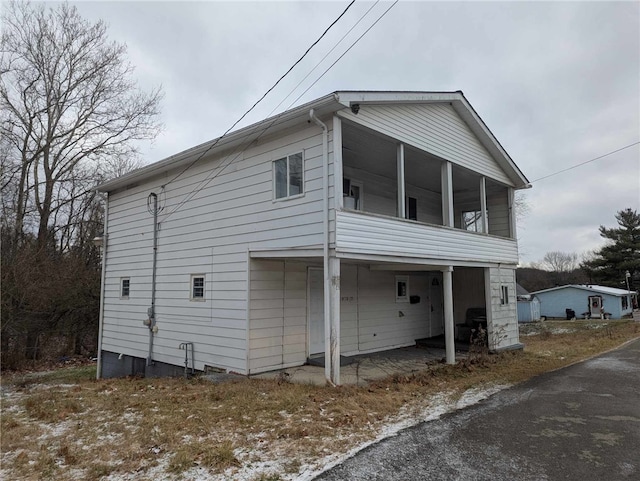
(231, 213)
(278, 315)
(359, 233)
(503, 325)
(434, 128)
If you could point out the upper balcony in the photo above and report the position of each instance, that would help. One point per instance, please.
(401, 201)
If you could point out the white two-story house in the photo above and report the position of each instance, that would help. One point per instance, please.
(355, 223)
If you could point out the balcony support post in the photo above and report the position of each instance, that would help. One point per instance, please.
(332, 351)
(449, 327)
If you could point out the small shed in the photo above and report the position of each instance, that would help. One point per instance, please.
(528, 305)
(585, 301)
(528, 310)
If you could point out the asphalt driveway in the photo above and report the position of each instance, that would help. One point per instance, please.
(579, 423)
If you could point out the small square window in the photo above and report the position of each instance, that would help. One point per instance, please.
(125, 287)
(288, 176)
(504, 295)
(402, 288)
(197, 287)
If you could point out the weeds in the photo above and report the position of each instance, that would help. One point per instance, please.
(95, 429)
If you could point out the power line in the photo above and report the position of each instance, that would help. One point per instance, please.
(218, 171)
(213, 144)
(586, 162)
(323, 59)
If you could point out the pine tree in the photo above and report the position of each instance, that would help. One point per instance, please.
(621, 253)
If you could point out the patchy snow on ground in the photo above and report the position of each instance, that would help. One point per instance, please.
(264, 461)
(438, 405)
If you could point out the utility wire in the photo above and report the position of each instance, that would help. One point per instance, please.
(586, 162)
(322, 60)
(214, 173)
(213, 144)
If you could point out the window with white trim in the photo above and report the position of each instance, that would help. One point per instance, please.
(504, 295)
(125, 287)
(197, 287)
(288, 178)
(402, 288)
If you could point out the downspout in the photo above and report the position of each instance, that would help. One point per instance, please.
(325, 243)
(103, 276)
(152, 309)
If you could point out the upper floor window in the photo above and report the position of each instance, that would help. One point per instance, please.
(411, 208)
(125, 287)
(352, 194)
(472, 220)
(288, 176)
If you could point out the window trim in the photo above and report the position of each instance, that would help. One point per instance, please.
(192, 287)
(122, 281)
(274, 180)
(404, 298)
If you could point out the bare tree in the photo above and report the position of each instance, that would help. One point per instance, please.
(557, 261)
(71, 116)
(68, 102)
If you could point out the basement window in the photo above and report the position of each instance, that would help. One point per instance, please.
(402, 288)
(125, 287)
(288, 176)
(197, 287)
(504, 295)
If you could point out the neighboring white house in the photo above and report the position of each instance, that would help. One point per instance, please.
(358, 222)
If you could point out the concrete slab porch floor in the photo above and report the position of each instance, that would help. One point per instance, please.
(366, 367)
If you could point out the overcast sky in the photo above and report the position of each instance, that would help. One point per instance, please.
(557, 83)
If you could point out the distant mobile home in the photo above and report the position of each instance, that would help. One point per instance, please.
(358, 222)
(585, 301)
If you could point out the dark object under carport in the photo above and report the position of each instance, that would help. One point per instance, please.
(475, 318)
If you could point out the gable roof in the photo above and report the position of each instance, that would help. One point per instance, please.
(323, 107)
(591, 288)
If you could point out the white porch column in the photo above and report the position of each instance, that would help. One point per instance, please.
(332, 351)
(449, 327)
(446, 184)
(401, 204)
(337, 163)
(483, 205)
(512, 213)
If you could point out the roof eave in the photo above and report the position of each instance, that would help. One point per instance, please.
(322, 106)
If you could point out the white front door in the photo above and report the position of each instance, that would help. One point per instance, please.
(316, 311)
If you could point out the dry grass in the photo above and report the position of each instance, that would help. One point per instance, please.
(94, 429)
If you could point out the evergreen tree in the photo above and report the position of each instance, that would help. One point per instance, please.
(621, 253)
